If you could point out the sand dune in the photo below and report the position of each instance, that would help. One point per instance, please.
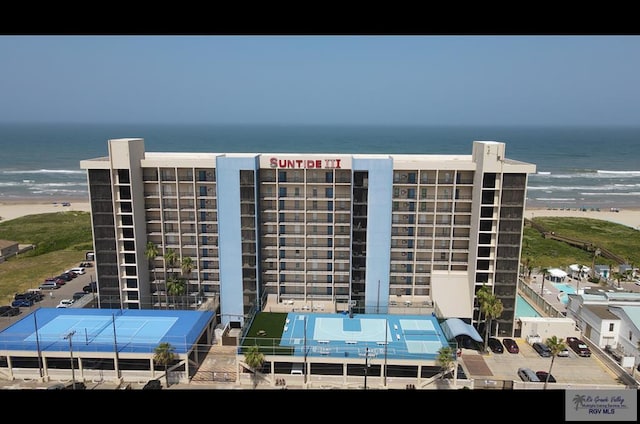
(11, 210)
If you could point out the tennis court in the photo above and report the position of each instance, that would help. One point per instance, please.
(397, 337)
(103, 330)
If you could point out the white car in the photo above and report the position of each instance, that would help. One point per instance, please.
(78, 270)
(65, 303)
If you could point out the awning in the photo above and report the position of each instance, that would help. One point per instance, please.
(454, 327)
(555, 272)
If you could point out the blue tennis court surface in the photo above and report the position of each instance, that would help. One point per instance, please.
(102, 330)
(397, 337)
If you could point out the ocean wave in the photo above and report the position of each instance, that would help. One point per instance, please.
(45, 171)
(30, 183)
(630, 193)
(636, 173)
(556, 199)
(585, 175)
(607, 187)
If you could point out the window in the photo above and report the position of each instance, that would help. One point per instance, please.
(611, 327)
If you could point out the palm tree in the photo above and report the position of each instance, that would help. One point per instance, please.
(492, 308)
(151, 252)
(186, 266)
(544, 271)
(482, 295)
(254, 359)
(164, 354)
(175, 287)
(170, 258)
(618, 276)
(445, 359)
(556, 345)
(580, 268)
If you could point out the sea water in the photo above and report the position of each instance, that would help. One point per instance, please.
(577, 167)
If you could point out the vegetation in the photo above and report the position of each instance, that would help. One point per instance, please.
(556, 345)
(61, 241)
(446, 359)
(271, 325)
(620, 239)
(164, 354)
(254, 359)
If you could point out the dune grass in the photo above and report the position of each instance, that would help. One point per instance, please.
(619, 239)
(61, 240)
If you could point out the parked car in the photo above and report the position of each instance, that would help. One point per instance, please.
(49, 285)
(542, 349)
(26, 296)
(542, 375)
(9, 311)
(58, 281)
(22, 303)
(527, 374)
(511, 345)
(78, 295)
(564, 353)
(92, 287)
(578, 346)
(65, 303)
(78, 270)
(495, 345)
(37, 294)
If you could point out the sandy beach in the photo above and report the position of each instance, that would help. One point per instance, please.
(15, 209)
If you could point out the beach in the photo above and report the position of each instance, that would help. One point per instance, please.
(18, 208)
(15, 209)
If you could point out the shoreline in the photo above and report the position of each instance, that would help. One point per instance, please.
(16, 208)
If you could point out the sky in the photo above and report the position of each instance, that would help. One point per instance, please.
(322, 79)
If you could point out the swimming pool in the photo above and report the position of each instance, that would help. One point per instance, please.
(524, 309)
(566, 289)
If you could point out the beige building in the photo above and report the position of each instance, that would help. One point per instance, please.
(364, 232)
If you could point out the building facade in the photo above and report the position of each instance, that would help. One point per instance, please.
(363, 231)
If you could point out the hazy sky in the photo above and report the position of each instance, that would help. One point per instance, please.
(417, 80)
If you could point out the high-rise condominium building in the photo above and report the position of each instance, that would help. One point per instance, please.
(367, 232)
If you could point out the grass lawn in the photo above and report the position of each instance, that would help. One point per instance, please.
(61, 241)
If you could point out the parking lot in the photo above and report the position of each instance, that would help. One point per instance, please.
(571, 370)
(52, 297)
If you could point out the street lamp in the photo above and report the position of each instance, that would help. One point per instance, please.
(69, 337)
(366, 366)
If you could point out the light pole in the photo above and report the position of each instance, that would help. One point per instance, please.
(366, 366)
(69, 337)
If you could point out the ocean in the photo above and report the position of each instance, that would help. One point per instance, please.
(577, 167)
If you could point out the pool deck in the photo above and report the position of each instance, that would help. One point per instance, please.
(551, 292)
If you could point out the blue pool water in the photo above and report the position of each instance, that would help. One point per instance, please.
(523, 309)
(566, 289)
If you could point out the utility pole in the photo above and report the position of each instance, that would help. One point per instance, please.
(69, 337)
(366, 366)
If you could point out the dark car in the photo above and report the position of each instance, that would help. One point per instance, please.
(495, 345)
(511, 345)
(9, 311)
(22, 303)
(578, 346)
(542, 375)
(542, 349)
(152, 385)
(90, 288)
(79, 295)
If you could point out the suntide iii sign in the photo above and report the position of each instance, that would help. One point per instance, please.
(307, 162)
